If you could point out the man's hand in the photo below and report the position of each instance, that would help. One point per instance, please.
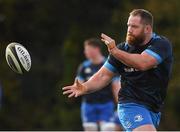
(75, 90)
(108, 41)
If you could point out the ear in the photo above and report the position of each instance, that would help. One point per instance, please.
(147, 29)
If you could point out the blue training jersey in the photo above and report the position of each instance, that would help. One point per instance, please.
(145, 87)
(85, 71)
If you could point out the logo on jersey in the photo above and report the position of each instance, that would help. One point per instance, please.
(88, 70)
(130, 69)
(138, 118)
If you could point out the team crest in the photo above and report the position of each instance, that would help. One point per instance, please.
(88, 70)
(138, 118)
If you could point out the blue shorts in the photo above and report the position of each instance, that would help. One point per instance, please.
(115, 118)
(132, 115)
(97, 112)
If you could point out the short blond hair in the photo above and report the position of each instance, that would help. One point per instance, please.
(146, 16)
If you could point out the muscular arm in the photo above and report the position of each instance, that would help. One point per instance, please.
(141, 61)
(99, 80)
(96, 82)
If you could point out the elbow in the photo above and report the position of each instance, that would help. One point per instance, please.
(142, 67)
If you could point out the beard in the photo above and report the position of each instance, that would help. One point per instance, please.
(135, 40)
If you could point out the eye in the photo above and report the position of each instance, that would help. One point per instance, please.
(134, 26)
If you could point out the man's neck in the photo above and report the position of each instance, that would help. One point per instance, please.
(148, 38)
(99, 59)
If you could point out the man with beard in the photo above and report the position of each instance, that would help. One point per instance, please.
(144, 62)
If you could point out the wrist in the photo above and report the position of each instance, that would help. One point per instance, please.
(114, 50)
(85, 88)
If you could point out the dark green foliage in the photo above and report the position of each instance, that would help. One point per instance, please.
(53, 32)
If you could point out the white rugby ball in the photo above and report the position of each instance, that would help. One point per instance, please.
(18, 58)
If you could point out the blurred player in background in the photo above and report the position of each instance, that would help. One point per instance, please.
(97, 109)
(144, 62)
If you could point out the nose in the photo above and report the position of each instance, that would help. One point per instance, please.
(130, 30)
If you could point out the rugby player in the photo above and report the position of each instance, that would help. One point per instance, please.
(144, 62)
(97, 109)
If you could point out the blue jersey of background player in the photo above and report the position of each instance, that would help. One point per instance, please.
(85, 71)
(97, 108)
(144, 62)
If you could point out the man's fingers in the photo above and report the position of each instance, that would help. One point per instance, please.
(105, 41)
(76, 81)
(67, 87)
(73, 90)
(105, 37)
(71, 95)
(76, 95)
(78, 84)
(67, 92)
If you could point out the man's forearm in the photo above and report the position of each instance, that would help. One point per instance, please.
(96, 83)
(132, 60)
(99, 80)
(142, 61)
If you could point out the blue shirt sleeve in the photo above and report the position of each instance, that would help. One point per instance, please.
(116, 78)
(113, 64)
(160, 49)
(110, 67)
